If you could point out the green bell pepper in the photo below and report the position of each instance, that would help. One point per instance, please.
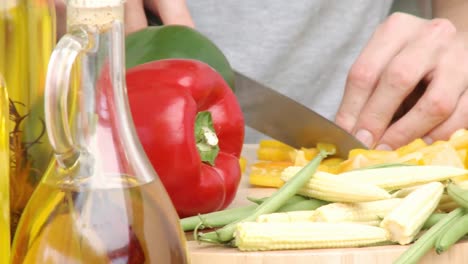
(175, 41)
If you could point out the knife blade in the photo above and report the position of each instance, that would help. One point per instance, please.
(286, 120)
(282, 118)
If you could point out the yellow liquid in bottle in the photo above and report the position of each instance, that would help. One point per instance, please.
(4, 177)
(27, 36)
(111, 225)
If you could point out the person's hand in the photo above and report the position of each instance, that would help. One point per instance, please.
(408, 61)
(170, 12)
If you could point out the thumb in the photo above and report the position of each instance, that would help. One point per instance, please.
(171, 11)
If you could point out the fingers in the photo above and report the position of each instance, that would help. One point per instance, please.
(386, 42)
(413, 63)
(459, 119)
(171, 11)
(458, 78)
(61, 16)
(135, 18)
(404, 52)
(436, 105)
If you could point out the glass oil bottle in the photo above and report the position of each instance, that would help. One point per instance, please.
(101, 201)
(27, 37)
(4, 177)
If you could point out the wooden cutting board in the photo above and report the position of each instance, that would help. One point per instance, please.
(208, 254)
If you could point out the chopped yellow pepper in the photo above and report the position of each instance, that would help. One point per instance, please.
(242, 163)
(274, 150)
(439, 153)
(411, 147)
(332, 161)
(330, 148)
(359, 158)
(271, 143)
(459, 139)
(373, 154)
(268, 174)
(463, 155)
(331, 165)
(274, 154)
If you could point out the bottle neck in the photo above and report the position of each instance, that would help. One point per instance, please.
(101, 81)
(98, 126)
(94, 135)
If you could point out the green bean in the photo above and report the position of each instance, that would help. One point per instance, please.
(272, 204)
(433, 219)
(383, 165)
(256, 200)
(452, 234)
(417, 250)
(216, 219)
(224, 217)
(296, 198)
(458, 194)
(308, 204)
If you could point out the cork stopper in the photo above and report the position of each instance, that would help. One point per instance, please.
(94, 3)
(100, 13)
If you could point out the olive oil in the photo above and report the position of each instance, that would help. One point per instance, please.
(4, 177)
(124, 223)
(27, 37)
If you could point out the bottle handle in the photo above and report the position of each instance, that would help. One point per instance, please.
(56, 95)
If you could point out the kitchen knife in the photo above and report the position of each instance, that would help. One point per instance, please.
(286, 120)
(282, 118)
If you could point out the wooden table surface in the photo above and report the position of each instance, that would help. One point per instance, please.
(208, 254)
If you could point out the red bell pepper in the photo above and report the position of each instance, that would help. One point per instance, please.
(192, 129)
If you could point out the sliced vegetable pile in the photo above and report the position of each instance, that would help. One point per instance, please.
(416, 195)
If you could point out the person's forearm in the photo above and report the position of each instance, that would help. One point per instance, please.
(454, 10)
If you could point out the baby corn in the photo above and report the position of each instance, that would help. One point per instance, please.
(253, 236)
(294, 216)
(402, 193)
(404, 222)
(330, 187)
(365, 212)
(447, 204)
(392, 178)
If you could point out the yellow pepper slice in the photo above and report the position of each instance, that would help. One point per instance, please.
(359, 158)
(331, 165)
(358, 161)
(413, 146)
(271, 143)
(242, 164)
(463, 155)
(267, 174)
(374, 154)
(274, 154)
(274, 150)
(265, 181)
(442, 153)
(330, 148)
(459, 139)
(332, 161)
(306, 154)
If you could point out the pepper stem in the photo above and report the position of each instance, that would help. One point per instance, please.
(205, 137)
